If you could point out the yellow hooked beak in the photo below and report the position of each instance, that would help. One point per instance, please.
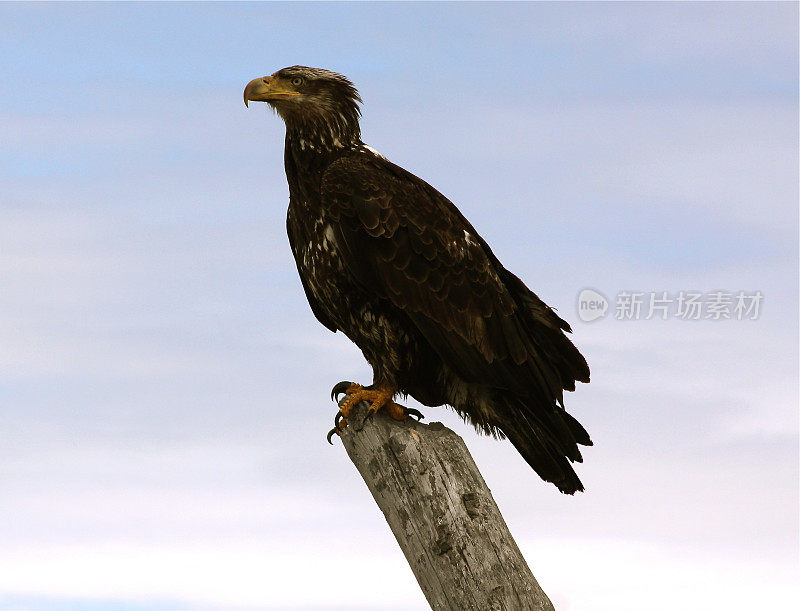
(266, 88)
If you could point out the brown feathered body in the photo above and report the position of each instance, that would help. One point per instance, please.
(389, 261)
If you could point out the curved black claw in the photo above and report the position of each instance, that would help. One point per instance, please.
(410, 411)
(336, 428)
(331, 433)
(339, 389)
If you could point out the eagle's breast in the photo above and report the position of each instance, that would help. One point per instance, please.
(319, 259)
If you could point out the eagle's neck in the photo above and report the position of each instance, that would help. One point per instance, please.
(311, 146)
(313, 142)
(322, 134)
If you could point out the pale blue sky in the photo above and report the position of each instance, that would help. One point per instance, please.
(163, 384)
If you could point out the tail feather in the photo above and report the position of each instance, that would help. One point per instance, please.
(579, 433)
(546, 438)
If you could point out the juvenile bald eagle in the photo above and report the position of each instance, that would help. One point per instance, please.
(388, 260)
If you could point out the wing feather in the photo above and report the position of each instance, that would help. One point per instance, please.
(404, 241)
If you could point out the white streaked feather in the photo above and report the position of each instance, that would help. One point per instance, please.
(373, 151)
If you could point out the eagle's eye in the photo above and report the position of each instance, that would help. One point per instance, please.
(297, 81)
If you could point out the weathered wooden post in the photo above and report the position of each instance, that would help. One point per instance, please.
(442, 514)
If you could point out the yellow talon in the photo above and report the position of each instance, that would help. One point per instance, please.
(377, 398)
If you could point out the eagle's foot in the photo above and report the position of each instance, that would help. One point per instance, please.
(355, 394)
(376, 397)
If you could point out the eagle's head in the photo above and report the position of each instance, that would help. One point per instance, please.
(311, 100)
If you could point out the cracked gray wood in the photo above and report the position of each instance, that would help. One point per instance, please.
(442, 514)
